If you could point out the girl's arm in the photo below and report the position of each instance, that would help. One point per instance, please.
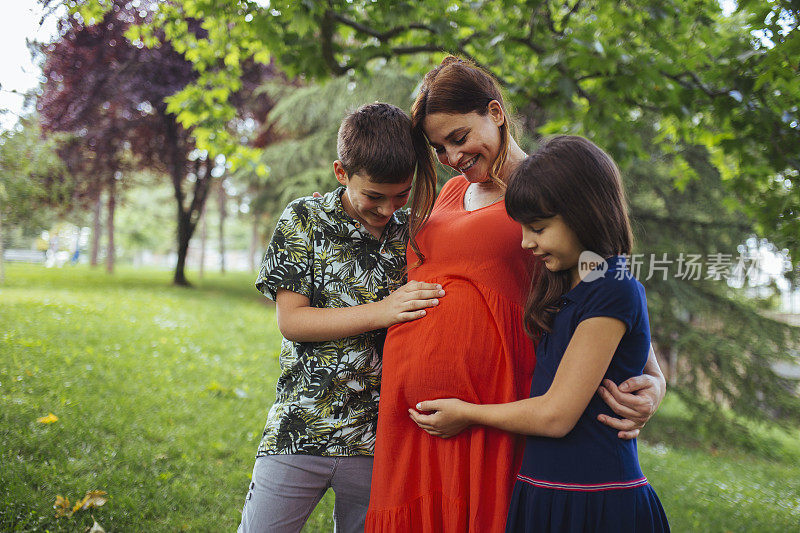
(556, 412)
(299, 322)
(635, 400)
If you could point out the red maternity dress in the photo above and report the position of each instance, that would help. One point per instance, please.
(471, 346)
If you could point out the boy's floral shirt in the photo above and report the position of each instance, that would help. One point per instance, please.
(327, 394)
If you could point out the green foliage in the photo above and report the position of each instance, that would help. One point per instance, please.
(31, 176)
(724, 346)
(145, 216)
(306, 120)
(728, 82)
(164, 412)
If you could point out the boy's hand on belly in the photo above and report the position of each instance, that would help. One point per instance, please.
(449, 417)
(408, 303)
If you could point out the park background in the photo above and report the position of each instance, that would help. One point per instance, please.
(141, 175)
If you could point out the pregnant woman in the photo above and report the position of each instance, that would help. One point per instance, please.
(473, 344)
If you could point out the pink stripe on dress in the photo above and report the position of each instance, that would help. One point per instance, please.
(594, 487)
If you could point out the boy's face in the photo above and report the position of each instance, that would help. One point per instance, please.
(370, 203)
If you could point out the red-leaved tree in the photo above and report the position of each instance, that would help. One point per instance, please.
(111, 94)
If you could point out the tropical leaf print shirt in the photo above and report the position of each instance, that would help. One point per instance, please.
(327, 394)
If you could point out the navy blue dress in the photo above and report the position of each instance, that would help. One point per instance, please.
(589, 480)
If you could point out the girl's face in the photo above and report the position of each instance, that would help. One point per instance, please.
(468, 142)
(552, 241)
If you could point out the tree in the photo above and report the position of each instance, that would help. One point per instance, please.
(110, 94)
(718, 347)
(32, 178)
(82, 96)
(725, 81)
(130, 81)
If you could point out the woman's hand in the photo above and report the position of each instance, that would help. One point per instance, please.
(450, 417)
(635, 400)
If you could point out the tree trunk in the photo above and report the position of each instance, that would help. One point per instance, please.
(111, 207)
(672, 378)
(203, 239)
(184, 236)
(188, 216)
(96, 229)
(222, 199)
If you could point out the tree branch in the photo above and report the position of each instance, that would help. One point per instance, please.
(550, 23)
(528, 41)
(408, 50)
(565, 20)
(381, 36)
(698, 84)
(201, 187)
(326, 33)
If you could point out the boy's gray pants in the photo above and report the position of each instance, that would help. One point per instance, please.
(286, 488)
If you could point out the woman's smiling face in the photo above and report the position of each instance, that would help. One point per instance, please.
(468, 142)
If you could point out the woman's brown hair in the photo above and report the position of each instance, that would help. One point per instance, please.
(572, 177)
(455, 86)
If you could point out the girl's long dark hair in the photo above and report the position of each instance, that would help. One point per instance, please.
(572, 177)
(455, 86)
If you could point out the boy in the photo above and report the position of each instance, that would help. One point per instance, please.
(331, 267)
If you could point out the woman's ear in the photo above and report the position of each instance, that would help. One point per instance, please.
(496, 112)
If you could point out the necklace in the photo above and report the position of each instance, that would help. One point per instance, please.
(468, 202)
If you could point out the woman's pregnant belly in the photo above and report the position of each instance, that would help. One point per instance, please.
(471, 346)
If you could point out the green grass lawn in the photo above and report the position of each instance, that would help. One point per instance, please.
(161, 394)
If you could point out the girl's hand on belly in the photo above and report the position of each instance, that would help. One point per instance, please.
(449, 418)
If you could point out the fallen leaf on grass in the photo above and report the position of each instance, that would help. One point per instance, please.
(92, 499)
(49, 419)
(96, 528)
(62, 506)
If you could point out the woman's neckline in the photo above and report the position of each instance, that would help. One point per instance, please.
(500, 200)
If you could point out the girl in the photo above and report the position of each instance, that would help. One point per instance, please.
(591, 324)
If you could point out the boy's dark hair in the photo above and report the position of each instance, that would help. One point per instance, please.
(572, 177)
(375, 140)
